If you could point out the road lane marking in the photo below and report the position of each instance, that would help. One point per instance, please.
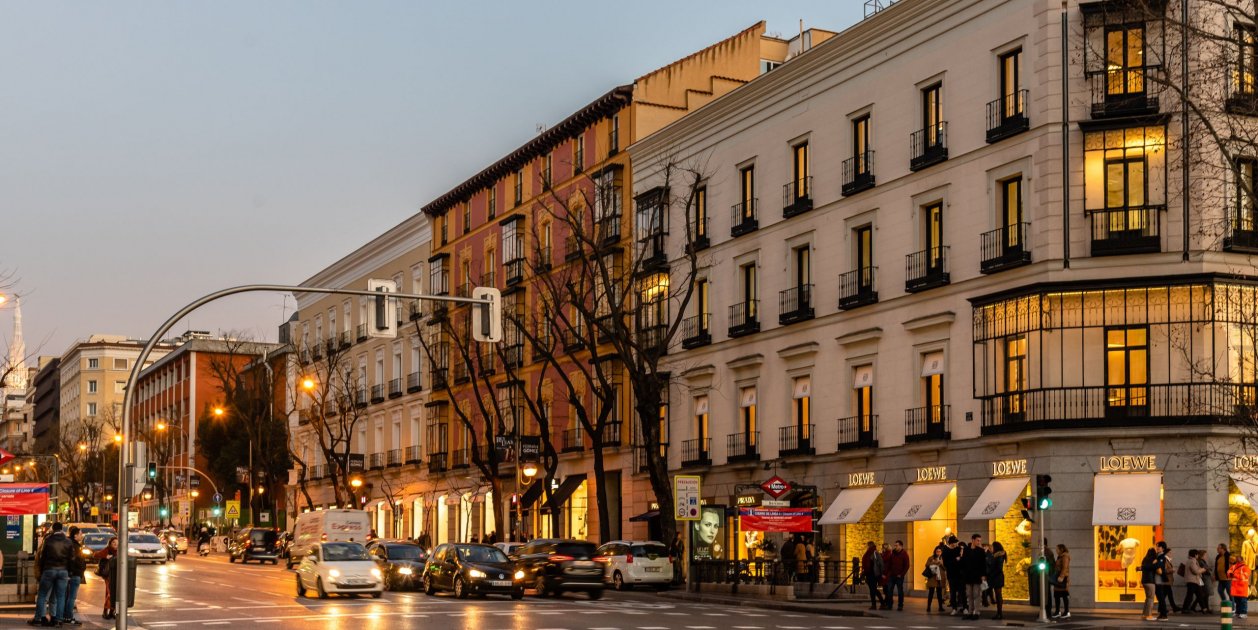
(702, 627)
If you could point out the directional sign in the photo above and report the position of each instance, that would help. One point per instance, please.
(233, 509)
(218, 498)
(775, 486)
(686, 494)
(6, 456)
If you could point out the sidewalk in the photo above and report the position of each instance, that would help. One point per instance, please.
(914, 613)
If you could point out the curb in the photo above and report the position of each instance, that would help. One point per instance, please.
(768, 604)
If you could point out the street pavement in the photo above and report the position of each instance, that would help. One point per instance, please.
(209, 592)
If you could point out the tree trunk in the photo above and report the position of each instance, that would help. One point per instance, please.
(600, 490)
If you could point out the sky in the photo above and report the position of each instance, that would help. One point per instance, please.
(153, 152)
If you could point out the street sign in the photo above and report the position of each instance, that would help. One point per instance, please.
(774, 503)
(95, 511)
(233, 509)
(487, 318)
(6, 478)
(686, 493)
(775, 486)
(530, 448)
(218, 498)
(264, 516)
(6, 456)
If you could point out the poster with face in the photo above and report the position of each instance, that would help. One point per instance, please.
(709, 534)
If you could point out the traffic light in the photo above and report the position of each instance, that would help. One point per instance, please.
(163, 511)
(1028, 509)
(217, 511)
(152, 470)
(1042, 490)
(1041, 564)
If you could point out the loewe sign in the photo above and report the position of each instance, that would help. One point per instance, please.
(860, 479)
(932, 473)
(1129, 463)
(1009, 468)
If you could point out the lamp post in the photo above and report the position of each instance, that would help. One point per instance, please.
(163, 426)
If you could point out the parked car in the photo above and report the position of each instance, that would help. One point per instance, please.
(630, 562)
(472, 568)
(319, 526)
(146, 547)
(284, 544)
(343, 568)
(254, 543)
(509, 548)
(401, 561)
(553, 566)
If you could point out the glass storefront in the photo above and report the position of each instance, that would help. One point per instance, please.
(576, 515)
(927, 535)
(1014, 532)
(1242, 528)
(854, 536)
(1127, 522)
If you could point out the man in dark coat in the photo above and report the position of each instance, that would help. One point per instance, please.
(952, 555)
(974, 571)
(871, 573)
(897, 568)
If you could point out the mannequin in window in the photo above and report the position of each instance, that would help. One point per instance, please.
(1249, 553)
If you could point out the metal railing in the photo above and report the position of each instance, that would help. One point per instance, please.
(344, 339)
(414, 310)
(573, 440)
(797, 197)
(437, 462)
(608, 228)
(360, 397)
(376, 461)
(1127, 405)
(413, 383)
(743, 218)
(743, 446)
(744, 318)
(1005, 247)
(393, 458)
(571, 248)
(461, 458)
(927, 423)
(858, 173)
(1130, 230)
(377, 393)
(395, 387)
(698, 234)
(1124, 91)
(412, 455)
(612, 433)
(1006, 116)
(795, 304)
(796, 440)
(858, 432)
(857, 288)
(928, 146)
(696, 452)
(362, 332)
(926, 269)
(696, 331)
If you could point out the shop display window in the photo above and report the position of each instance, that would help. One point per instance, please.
(928, 534)
(1014, 532)
(853, 536)
(1242, 527)
(1119, 551)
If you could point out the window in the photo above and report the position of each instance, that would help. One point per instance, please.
(932, 383)
(860, 145)
(613, 144)
(747, 275)
(438, 279)
(519, 186)
(699, 214)
(467, 217)
(546, 171)
(120, 364)
(701, 417)
(932, 114)
(397, 360)
(1124, 60)
(415, 354)
(799, 163)
(1246, 189)
(1246, 60)
(491, 201)
(747, 193)
(864, 237)
(747, 402)
(1011, 209)
(379, 367)
(1125, 185)
(802, 262)
(863, 398)
(578, 154)
(443, 221)
(93, 364)
(1011, 104)
(91, 409)
(1015, 374)
(801, 409)
(120, 387)
(91, 387)
(1127, 368)
(932, 233)
(702, 285)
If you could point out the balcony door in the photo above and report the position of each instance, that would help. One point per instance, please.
(1015, 378)
(860, 146)
(1127, 371)
(1011, 105)
(1126, 180)
(865, 256)
(933, 237)
(1124, 62)
(1011, 213)
(932, 114)
(1246, 190)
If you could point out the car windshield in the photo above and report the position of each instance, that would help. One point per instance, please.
(96, 540)
(482, 554)
(405, 552)
(144, 538)
(339, 552)
(648, 551)
(263, 536)
(580, 551)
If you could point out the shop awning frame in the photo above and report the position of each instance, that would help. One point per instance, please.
(645, 516)
(1248, 485)
(1127, 499)
(850, 506)
(564, 492)
(530, 496)
(919, 502)
(996, 498)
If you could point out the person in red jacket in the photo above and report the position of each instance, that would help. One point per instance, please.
(897, 567)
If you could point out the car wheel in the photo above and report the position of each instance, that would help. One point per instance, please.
(540, 587)
(517, 594)
(460, 588)
(301, 588)
(163, 562)
(428, 588)
(376, 595)
(323, 594)
(275, 562)
(288, 564)
(618, 581)
(231, 559)
(596, 593)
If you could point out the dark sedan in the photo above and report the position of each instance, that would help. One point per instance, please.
(553, 566)
(401, 562)
(472, 569)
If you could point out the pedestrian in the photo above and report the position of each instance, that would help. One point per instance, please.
(898, 564)
(996, 577)
(1204, 590)
(675, 551)
(974, 571)
(1161, 580)
(801, 560)
(1061, 586)
(107, 565)
(1170, 581)
(787, 554)
(883, 581)
(51, 564)
(871, 573)
(952, 555)
(77, 575)
(812, 558)
(1223, 564)
(1238, 576)
(1148, 581)
(1191, 572)
(934, 574)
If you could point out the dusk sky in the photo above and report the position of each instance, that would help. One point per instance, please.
(157, 151)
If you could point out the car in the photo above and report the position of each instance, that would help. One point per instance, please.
(627, 563)
(91, 528)
(254, 543)
(341, 568)
(401, 561)
(472, 568)
(96, 541)
(319, 526)
(176, 538)
(509, 548)
(146, 547)
(554, 565)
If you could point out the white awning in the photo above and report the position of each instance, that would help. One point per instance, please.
(932, 364)
(850, 506)
(919, 502)
(996, 498)
(863, 377)
(803, 387)
(701, 405)
(1248, 485)
(748, 397)
(1127, 499)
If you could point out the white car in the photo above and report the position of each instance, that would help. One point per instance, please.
(342, 568)
(627, 563)
(146, 547)
(508, 547)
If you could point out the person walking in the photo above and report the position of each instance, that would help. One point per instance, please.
(51, 563)
(801, 560)
(897, 567)
(676, 551)
(996, 577)
(1161, 579)
(871, 573)
(1148, 581)
(1171, 572)
(934, 574)
(884, 580)
(787, 554)
(77, 575)
(952, 555)
(1223, 564)
(107, 565)
(1191, 571)
(1061, 587)
(974, 572)
(1206, 586)
(1238, 577)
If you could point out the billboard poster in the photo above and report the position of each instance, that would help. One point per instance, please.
(708, 534)
(17, 499)
(775, 519)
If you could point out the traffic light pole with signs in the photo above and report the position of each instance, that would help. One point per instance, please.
(686, 494)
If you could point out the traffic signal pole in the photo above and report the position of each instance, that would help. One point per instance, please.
(490, 301)
(1043, 531)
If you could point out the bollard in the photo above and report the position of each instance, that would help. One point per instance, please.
(1225, 615)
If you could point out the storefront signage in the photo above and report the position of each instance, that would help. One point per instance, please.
(746, 500)
(932, 473)
(861, 479)
(1129, 463)
(1245, 463)
(775, 486)
(776, 519)
(18, 499)
(775, 503)
(1009, 468)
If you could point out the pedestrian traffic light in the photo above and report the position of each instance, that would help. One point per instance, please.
(216, 511)
(152, 470)
(1028, 509)
(1042, 490)
(163, 511)
(1041, 564)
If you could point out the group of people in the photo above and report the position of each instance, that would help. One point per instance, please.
(1158, 571)
(799, 556)
(61, 568)
(970, 575)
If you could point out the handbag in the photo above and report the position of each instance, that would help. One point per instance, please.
(102, 567)
(927, 574)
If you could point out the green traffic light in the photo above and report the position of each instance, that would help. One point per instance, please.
(1042, 564)
(1045, 503)
(216, 511)
(163, 512)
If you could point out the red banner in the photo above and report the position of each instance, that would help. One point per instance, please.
(17, 499)
(769, 519)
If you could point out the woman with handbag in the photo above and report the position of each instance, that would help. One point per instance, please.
(106, 564)
(934, 574)
(1061, 587)
(996, 577)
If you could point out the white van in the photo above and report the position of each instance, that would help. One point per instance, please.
(327, 526)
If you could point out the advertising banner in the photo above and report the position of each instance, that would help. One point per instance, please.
(17, 499)
(771, 519)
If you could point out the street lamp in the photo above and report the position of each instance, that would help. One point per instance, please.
(308, 384)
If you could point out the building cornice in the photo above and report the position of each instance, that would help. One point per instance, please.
(399, 240)
(860, 336)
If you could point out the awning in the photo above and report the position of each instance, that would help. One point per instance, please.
(1127, 499)
(1248, 486)
(803, 388)
(996, 498)
(645, 516)
(850, 506)
(530, 495)
(932, 364)
(564, 492)
(747, 397)
(863, 377)
(919, 502)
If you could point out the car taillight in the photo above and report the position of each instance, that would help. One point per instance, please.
(628, 558)
(323, 537)
(560, 558)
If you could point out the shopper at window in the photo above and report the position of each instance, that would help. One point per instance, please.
(1223, 564)
(871, 573)
(1061, 586)
(897, 567)
(974, 570)
(996, 577)
(1148, 581)
(934, 574)
(956, 579)
(1238, 575)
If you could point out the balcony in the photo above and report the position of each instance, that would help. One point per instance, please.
(437, 463)
(331, 409)
(1006, 116)
(858, 173)
(611, 433)
(317, 351)
(344, 339)
(485, 363)
(304, 357)
(698, 236)
(571, 248)
(375, 461)
(541, 260)
(411, 455)
(332, 345)
(1177, 405)
(743, 218)
(795, 304)
(462, 373)
(856, 288)
(653, 253)
(797, 197)
(1242, 91)
(607, 229)
(440, 378)
(513, 270)
(413, 384)
(513, 355)
(928, 147)
(393, 458)
(858, 432)
(395, 388)
(362, 332)
(927, 423)
(1005, 248)
(573, 340)
(1124, 91)
(1126, 230)
(742, 447)
(654, 338)
(795, 440)
(642, 456)
(460, 458)
(489, 279)
(696, 331)
(377, 393)
(1241, 237)
(696, 452)
(463, 290)
(926, 269)
(360, 397)
(744, 318)
(573, 440)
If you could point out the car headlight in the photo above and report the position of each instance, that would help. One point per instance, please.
(519, 575)
(404, 571)
(376, 572)
(475, 573)
(334, 573)
(86, 551)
